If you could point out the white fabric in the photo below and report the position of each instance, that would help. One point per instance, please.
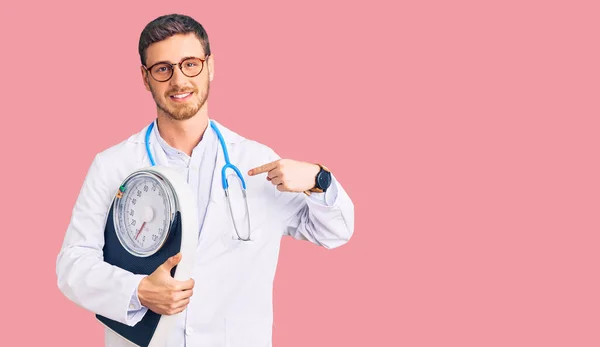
(232, 301)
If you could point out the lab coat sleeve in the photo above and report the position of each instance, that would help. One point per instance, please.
(328, 198)
(136, 311)
(325, 219)
(82, 274)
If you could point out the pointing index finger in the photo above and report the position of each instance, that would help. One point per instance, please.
(263, 168)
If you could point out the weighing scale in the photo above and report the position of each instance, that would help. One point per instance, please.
(153, 216)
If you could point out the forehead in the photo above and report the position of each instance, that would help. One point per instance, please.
(174, 49)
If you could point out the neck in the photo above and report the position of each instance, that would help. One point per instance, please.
(184, 135)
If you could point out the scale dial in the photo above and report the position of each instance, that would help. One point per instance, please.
(143, 213)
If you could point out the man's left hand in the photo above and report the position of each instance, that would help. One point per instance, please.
(289, 175)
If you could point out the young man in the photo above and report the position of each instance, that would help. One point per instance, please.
(228, 301)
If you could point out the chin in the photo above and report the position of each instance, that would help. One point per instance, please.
(183, 112)
(180, 111)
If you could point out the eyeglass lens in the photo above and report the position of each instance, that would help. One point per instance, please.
(190, 67)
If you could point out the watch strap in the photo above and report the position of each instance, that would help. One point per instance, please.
(315, 189)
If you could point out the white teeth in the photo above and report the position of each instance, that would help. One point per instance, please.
(180, 96)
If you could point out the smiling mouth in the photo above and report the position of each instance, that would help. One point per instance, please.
(181, 97)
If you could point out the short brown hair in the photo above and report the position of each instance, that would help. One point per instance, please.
(166, 26)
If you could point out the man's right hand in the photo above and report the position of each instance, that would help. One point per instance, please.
(163, 294)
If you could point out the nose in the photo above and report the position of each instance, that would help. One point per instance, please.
(178, 77)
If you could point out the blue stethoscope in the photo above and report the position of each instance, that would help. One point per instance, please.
(224, 181)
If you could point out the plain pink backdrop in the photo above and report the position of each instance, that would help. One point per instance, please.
(466, 132)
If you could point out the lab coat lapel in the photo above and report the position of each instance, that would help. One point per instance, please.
(160, 158)
(216, 210)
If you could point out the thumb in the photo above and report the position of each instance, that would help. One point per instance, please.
(171, 262)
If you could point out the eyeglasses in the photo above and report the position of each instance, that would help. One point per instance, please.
(163, 71)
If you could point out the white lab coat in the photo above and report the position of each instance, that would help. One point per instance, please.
(232, 301)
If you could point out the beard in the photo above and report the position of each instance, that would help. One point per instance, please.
(182, 111)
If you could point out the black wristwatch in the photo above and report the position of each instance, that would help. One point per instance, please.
(322, 180)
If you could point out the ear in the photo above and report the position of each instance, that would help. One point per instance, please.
(211, 67)
(145, 78)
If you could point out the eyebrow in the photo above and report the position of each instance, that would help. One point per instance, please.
(184, 58)
(168, 62)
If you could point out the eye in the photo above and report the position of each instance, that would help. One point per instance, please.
(161, 69)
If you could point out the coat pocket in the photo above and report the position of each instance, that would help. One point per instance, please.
(253, 223)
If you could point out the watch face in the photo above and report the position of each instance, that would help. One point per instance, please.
(324, 180)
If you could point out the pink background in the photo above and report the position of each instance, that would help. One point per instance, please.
(466, 132)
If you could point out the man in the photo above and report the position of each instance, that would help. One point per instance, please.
(228, 300)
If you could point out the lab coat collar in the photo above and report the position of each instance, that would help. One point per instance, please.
(229, 136)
